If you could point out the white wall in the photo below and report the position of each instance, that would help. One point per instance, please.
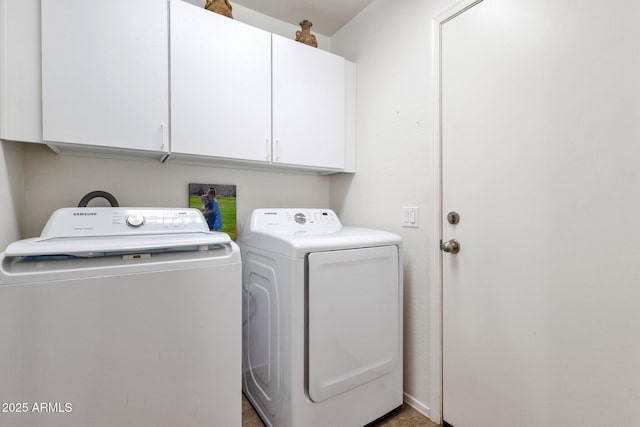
(11, 191)
(392, 45)
(54, 181)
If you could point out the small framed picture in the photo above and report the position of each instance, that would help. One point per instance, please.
(217, 202)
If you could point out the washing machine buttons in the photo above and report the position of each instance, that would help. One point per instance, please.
(135, 220)
(300, 218)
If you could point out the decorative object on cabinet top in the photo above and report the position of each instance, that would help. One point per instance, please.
(222, 7)
(305, 35)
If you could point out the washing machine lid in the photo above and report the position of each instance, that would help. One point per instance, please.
(297, 232)
(91, 232)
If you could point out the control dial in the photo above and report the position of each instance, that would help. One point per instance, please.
(300, 218)
(135, 220)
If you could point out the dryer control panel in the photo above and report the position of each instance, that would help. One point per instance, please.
(291, 220)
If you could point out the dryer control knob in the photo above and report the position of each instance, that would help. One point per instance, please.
(135, 220)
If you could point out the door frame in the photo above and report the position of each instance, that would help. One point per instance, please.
(435, 254)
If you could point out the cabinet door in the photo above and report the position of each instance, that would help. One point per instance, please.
(105, 68)
(308, 105)
(20, 96)
(220, 86)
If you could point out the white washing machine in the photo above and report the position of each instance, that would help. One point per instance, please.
(121, 317)
(322, 319)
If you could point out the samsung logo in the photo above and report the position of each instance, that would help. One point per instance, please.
(85, 213)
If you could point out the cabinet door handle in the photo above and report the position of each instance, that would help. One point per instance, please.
(277, 150)
(267, 150)
(162, 130)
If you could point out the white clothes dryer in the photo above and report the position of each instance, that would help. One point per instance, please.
(322, 319)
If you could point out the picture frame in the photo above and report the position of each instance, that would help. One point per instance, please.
(217, 202)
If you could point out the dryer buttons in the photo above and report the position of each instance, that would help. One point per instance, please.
(300, 218)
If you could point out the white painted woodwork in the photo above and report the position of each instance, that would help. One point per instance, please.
(220, 86)
(540, 104)
(350, 117)
(308, 105)
(20, 77)
(105, 72)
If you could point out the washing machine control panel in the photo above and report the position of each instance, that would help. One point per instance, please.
(70, 222)
(295, 220)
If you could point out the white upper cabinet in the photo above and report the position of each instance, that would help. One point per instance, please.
(308, 105)
(220, 86)
(105, 68)
(20, 105)
(169, 79)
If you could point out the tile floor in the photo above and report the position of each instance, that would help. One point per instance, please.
(406, 417)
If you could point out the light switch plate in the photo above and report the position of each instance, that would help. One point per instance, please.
(410, 217)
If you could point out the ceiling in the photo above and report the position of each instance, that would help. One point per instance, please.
(328, 16)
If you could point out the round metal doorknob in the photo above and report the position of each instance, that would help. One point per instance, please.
(452, 246)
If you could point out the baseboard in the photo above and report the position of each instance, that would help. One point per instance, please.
(417, 405)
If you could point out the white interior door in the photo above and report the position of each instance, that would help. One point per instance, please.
(540, 153)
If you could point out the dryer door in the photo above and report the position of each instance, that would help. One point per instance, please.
(353, 318)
